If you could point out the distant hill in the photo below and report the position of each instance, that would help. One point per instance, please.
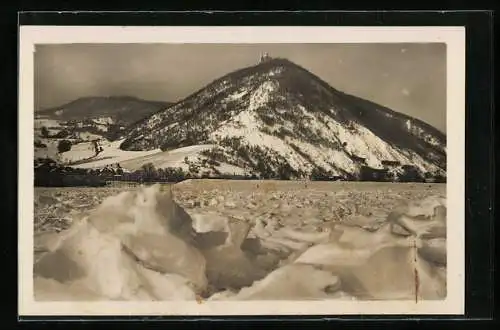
(99, 116)
(121, 109)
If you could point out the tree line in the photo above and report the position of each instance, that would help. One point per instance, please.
(50, 173)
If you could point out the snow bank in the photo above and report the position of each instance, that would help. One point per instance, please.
(385, 264)
(360, 264)
(291, 282)
(133, 247)
(141, 245)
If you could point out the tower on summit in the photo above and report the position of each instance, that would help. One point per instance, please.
(264, 57)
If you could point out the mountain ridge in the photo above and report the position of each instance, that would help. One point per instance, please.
(95, 116)
(87, 109)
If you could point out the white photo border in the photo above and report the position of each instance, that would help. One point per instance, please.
(454, 37)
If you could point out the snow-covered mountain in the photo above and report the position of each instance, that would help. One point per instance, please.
(94, 117)
(278, 117)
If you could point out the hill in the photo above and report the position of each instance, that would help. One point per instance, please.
(277, 119)
(95, 116)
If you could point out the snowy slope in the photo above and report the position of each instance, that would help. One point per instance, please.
(174, 158)
(278, 117)
(84, 156)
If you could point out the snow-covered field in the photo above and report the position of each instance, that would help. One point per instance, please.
(111, 154)
(242, 240)
(82, 155)
(173, 158)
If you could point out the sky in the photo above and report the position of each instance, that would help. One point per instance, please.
(408, 78)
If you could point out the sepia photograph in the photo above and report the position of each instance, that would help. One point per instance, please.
(189, 176)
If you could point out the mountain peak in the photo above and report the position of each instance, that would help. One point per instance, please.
(277, 61)
(271, 67)
(281, 113)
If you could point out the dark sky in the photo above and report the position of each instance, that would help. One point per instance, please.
(408, 78)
